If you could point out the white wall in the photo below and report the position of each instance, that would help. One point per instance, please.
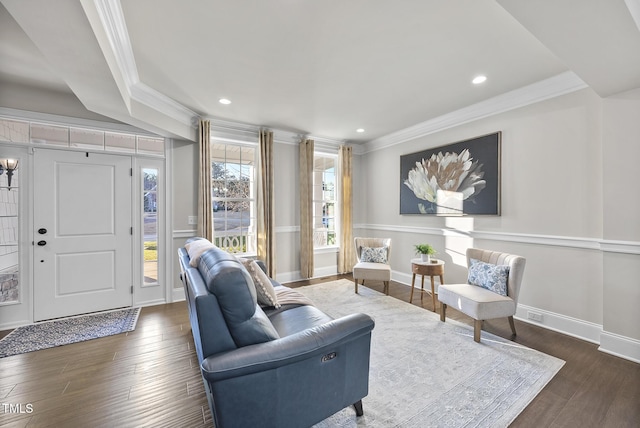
(621, 207)
(557, 163)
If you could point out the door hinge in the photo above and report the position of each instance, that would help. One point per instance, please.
(130, 172)
(131, 231)
(132, 289)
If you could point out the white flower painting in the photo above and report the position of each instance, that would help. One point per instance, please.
(449, 172)
(449, 180)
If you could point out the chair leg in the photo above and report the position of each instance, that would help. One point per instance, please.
(386, 287)
(358, 407)
(513, 325)
(443, 311)
(477, 327)
(356, 281)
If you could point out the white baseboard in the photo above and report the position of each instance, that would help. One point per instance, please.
(317, 273)
(153, 302)
(177, 295)
(610, 343)
(14, 324)
(620, 346)
(570, 326)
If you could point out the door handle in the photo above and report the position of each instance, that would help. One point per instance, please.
(42, 243)
(42, 231)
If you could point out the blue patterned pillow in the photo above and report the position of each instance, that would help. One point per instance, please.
(373, 255)
(489, 276)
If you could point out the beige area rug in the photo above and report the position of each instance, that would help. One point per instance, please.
(426, 373)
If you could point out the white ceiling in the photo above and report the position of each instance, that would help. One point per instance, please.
(314, 68)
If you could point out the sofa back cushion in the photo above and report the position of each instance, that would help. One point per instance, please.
(229, 281)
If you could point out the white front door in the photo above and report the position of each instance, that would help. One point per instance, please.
(82, 237)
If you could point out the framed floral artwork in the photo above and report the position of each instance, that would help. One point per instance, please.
(458, 179)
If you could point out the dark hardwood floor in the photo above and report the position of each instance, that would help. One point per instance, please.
(150, 378)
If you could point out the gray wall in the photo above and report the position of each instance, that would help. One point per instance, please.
(568, 168)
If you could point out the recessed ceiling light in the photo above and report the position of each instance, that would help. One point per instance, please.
(360, 130)
(479, 79)
(224, 101)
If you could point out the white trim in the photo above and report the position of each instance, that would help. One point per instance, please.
(570, 326)
(287, 229)
(620, 346)
(15, 324)
(68, 121)
(294, 276)
(177, 294)
(552, 87)
(227, 130)
(186, 234)
(625, 247)
(153, 302)
(163, 104)
(329, 249)
(634, 10)
(115, 29)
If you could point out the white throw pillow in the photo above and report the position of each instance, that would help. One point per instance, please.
(196, 248)
(264, 289)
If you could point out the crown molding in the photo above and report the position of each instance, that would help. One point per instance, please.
(634, 9)
(227, 130)
(115, 28)
(552, 87)
(163, 104)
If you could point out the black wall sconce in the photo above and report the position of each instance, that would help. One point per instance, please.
(8, 165)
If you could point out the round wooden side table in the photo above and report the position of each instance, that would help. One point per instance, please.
(431, 269)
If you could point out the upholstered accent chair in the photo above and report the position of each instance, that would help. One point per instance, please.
(491, 291)
(373, 261)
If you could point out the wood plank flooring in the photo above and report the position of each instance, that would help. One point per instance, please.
(150, 378)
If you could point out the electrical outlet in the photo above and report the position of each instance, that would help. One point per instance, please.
(192, 219)
(534, 316)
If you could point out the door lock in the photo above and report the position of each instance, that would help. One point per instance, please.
(42, 231)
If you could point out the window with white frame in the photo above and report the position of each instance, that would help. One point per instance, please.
(149, 181)
(325, 186)
(233, 192)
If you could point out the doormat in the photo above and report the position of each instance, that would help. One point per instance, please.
(64, 331)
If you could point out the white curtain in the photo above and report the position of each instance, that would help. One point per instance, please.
(205, 213)
(266, 211)
(346, 254)
(306, 208)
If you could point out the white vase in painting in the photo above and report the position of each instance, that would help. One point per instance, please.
(426, 258)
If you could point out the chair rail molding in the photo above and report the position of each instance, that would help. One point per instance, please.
(598, 244)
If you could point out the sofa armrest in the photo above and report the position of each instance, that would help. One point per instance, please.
(287, 350)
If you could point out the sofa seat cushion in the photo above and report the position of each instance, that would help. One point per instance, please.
(297, 319)
(477, 302)
(229, 281)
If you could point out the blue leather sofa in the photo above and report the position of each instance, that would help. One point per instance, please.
(265, 367)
